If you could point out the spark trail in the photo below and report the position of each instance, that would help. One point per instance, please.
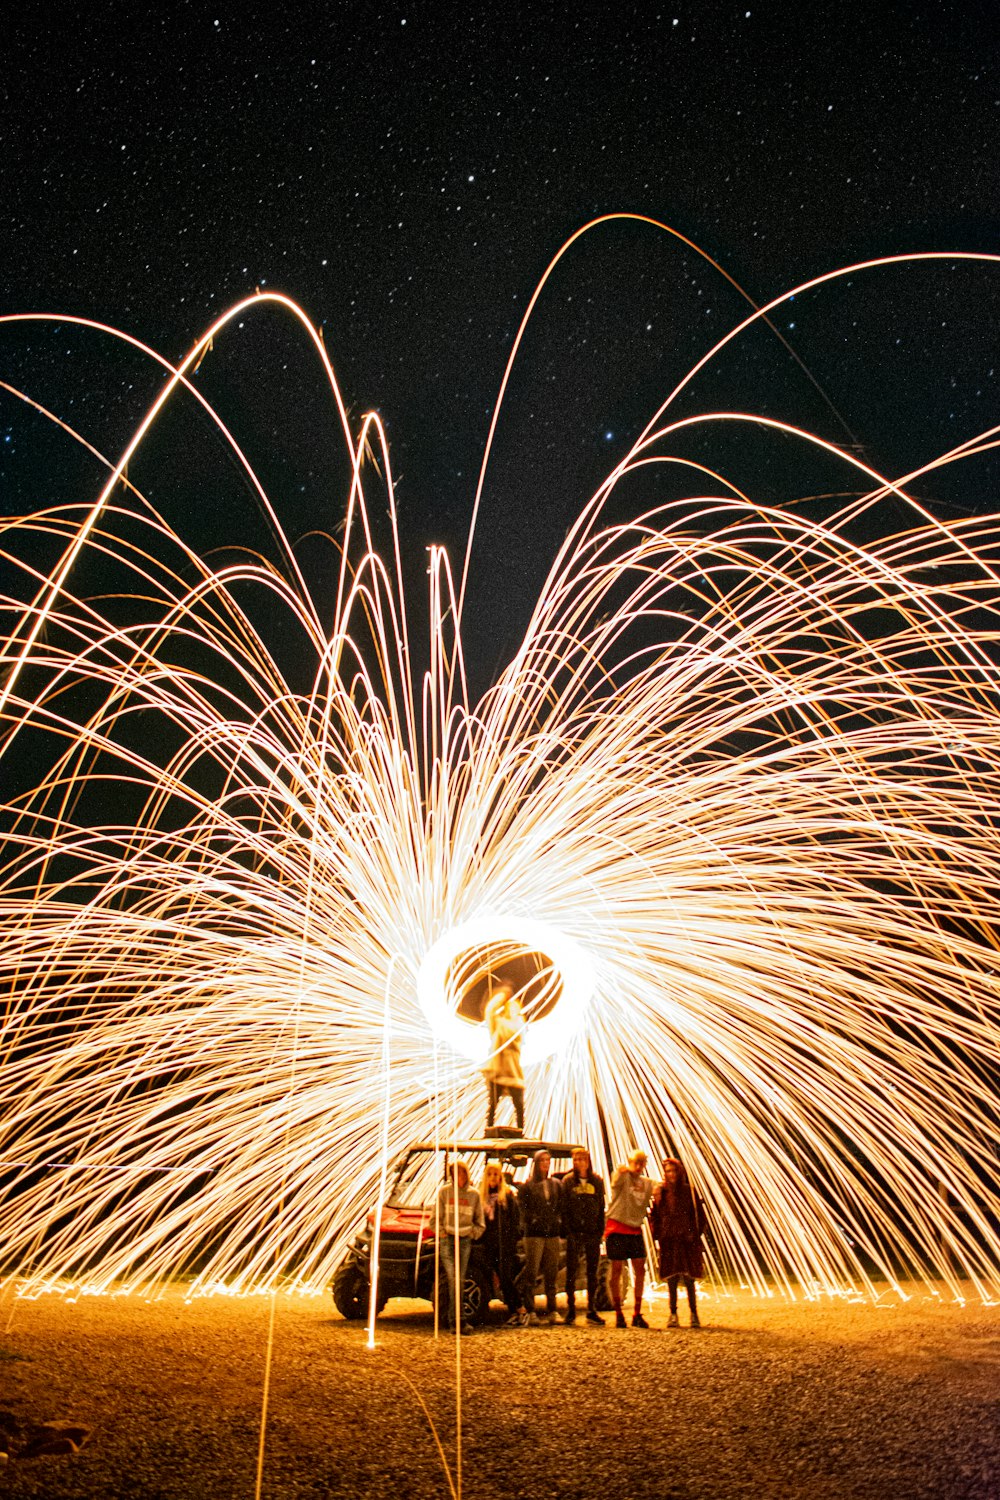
(740, 784)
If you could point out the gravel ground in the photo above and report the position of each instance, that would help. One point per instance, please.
(769, 1399)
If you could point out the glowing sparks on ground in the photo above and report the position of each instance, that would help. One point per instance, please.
(740, 785)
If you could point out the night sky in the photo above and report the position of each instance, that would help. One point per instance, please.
(407, 178)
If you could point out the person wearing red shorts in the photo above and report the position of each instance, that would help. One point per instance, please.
(631, 1191)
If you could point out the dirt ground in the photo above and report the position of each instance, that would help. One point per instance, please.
(771, 1398)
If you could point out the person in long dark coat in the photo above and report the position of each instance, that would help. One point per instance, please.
(677, 1219)
(503, 1233)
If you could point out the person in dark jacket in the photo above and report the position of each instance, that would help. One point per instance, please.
(677, 1219)
(539, 1202)
(583, 1224)
(503, 1231)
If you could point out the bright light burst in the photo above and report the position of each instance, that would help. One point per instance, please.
(740, 785)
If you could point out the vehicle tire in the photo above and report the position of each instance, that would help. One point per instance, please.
(476, 1293)
(351, 1293)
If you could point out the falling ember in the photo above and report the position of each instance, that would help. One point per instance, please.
(736, 798)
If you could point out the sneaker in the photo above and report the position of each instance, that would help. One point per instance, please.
(531, 1320)
(639, 1321)
(466, 1328)
(594, 1317)
(552, 1316)
(620, 1320)
(672, 1321)
(695, 1320)
(570, 1316)
(515, 1320)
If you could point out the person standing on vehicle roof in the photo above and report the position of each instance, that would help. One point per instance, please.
(460, 1217)
(582, 1194)
(504, 1020)
(540, 1202)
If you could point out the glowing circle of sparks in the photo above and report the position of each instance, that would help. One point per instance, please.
(556, 1030)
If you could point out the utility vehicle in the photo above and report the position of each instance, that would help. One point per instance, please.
(408, 1261)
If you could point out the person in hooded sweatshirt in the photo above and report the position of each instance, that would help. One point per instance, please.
(539, 1200)
(631, 1191)
(460, 1216)
(583, 1224)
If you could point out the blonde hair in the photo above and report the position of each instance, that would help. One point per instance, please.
(505, 1190)
(638, 1158)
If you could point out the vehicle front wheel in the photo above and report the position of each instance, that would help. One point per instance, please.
(351, 1293)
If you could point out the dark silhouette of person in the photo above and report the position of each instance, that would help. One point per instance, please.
(677, 1219)
(540, 1200)
(583, 1224)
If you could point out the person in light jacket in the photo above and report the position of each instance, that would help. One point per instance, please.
(504, 1020)
(631, 1191)
(460, 1220)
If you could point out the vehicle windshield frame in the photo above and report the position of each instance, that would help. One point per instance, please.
(415, 1166)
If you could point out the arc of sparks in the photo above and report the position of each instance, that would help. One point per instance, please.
(740, 782)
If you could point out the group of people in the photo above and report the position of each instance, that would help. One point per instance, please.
(546, 1209)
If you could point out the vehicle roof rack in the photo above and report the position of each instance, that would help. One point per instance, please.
(491, 1143)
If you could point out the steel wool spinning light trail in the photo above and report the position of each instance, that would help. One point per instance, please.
(739, 786)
